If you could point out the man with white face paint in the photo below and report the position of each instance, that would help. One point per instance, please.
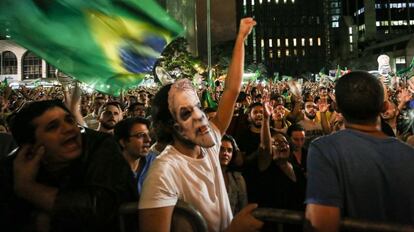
(189, 168)
(191, 123)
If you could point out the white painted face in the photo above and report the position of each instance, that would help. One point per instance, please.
(191, 122)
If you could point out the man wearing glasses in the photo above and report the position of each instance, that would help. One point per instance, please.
(132, 134)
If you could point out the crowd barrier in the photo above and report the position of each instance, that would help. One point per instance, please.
(185, 217)
(283, 217)
(188, 219)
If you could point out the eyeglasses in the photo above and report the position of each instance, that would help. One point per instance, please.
(140, 135)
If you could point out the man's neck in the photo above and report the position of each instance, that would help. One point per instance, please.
(191, 151)
(254, 129)
(103, 129)
(373, 129)
(132, 161)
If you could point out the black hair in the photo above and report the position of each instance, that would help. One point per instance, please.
(253, 105)
(134, 105)
(359, 97)
(242, 96)
(161, 117)
(21, 122)
(122, 129)
(294, 127)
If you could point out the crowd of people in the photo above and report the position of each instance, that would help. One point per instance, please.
(331, 149)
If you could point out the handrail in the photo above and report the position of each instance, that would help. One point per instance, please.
(296, 217)
(191, 214)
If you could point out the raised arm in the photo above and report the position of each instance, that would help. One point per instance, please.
(265, 149)
(234, 78)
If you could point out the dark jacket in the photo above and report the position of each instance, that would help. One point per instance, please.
(7, 144)
(90, 190)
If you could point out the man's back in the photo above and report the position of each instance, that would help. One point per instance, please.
(367, 177)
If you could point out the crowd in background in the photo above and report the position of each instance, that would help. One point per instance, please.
(285, 116)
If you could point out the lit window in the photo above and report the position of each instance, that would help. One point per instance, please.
(377, 23)
(400, 60)
(351, 48)
(279, 53)
(244, 3)
(287, 52)
(270, 43)
(319, 41)
(303, 42)
(295, 52)
(278, 42)
(350, 30)
(335, 24)
(350, 39)
(32, 66)
(293, 1)
(310, 42)
(9, 63)
(287, 42)
(294, 42)
(260, 1)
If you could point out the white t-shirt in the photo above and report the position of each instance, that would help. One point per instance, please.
(200, 182)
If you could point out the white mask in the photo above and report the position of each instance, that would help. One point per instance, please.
(190, 121)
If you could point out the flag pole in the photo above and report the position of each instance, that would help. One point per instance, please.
(209, 40)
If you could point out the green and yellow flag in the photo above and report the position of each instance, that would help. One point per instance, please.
(108, 44)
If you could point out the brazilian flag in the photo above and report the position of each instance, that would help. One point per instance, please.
(108, 44)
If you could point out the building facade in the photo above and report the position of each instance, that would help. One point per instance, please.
(291, 36)
(375, 27)
(17, 63)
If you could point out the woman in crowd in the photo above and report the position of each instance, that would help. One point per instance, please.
(234, 181)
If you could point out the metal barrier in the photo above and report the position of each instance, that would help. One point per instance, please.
(185, 217)
(282, 217)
